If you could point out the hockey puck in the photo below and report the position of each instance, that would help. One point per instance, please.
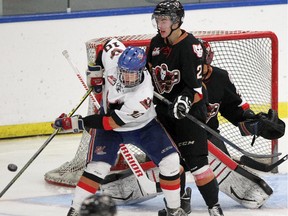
(12, 167)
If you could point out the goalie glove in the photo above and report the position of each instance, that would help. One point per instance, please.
(94, 76)
(180, 107)
(268, 126)
(69, 124)
(248, 114)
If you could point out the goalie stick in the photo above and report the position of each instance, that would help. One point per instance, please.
(217, 135)
(247, 161)
(56, 131)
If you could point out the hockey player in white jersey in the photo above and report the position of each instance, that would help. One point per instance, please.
(127, 116)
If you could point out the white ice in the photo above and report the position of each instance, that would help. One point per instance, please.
(30, 195)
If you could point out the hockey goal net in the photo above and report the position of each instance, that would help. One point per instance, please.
(251, 57)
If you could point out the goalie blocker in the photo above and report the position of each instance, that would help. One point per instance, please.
(238, 183)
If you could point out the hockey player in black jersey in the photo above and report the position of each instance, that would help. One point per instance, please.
(175, 61)
(224, 98)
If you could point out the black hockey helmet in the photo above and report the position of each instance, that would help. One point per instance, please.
(98, 205)
(170, 8)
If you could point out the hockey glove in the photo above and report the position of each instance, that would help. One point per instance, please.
(180, 107)
(268, 126)
(94, 76)
(69, 124)
(248, 114)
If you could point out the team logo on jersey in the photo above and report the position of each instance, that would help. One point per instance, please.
(198, 50)
(112, 80)
(156, 51)
(146, 103)
(165, 79)
(212, 110)
(136, 114)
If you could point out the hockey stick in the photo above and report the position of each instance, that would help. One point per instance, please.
(149, 186)
(247, 161)
(76, 71)
(217, 135)
(56, 131)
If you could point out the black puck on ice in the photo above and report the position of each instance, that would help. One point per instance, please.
(12, 167)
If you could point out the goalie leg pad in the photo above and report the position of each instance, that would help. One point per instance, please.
(250, 194)
(125, 189)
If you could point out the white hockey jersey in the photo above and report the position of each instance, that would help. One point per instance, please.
(135, 106)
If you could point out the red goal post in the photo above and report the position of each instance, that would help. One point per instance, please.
(251, 57)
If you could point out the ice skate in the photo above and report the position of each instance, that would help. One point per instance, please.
(185, 203)
(215, 210)
(176, 212)
(72, 212)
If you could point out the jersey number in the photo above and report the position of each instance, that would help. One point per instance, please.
(199, 72)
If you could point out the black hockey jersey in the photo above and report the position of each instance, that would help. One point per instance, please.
(176, 69)
(224, 98)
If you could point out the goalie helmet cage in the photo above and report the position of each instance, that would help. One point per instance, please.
(251, 57)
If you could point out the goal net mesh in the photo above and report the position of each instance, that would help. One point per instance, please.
(251, 59)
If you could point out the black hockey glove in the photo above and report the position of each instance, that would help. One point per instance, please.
(268, 126)
(180, 107)
(248, 114)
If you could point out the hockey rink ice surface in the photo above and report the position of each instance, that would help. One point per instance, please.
(30, 195)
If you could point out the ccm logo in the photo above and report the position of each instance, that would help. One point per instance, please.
(131, 161)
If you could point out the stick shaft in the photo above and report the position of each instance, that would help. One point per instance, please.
(216, 134)
(56, 131)
(76, 71)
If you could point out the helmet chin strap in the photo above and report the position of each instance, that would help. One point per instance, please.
(172, 30)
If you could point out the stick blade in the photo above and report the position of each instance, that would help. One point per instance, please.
(247, 161)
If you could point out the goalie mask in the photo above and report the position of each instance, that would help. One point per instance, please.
(98, 205)
(208, 52)
(169, 8)
(131, 65)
